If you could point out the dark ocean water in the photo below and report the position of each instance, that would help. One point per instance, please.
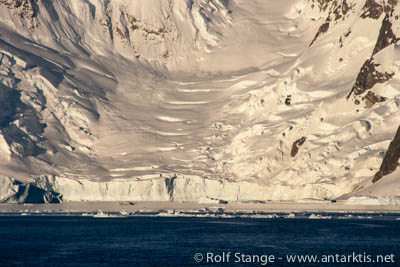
(163, 241)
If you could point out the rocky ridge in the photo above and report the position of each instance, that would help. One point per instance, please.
(369, 75)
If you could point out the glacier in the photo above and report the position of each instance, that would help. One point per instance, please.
(189, 100)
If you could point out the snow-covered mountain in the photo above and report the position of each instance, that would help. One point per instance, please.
(195, 99)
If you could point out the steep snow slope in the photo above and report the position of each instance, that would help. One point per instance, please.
(182, 100)
(163, 32)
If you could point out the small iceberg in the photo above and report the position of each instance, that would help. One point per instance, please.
(318, 216)
(101, 214)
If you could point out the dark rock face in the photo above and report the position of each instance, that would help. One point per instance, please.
(341, 40)
(341, 10)
(288, 100)
(368, 77)
(323, 29)
(386, 36)
(391, 159)
(30, 193)
(372, 10)
(296, 145)
(338, 10)
(26, 9)
(322, 4)
(371, 99)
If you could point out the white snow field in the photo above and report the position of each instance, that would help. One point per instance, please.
(189, 100)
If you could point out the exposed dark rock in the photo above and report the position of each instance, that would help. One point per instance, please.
(391, 159)
(372, 10)
(368, 77)
(322, 4)
(338, 10)
(136, 24)
(386, 36)
(323, 29)
(30, 193)
(288, 100)
(341, 10)
(27, 9)
(390, 5)
(371, 98)
(296, 145)
(342, 38)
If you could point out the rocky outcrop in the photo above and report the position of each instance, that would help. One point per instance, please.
(26, 9)
(323, 5)
(296, 145)
(391, 159)
(154, 37)
(14, 191)
(369, 75)
(323, 29)
(337, 10)
(371, 98)
(131, 30)
(372, 10)
(386, 36)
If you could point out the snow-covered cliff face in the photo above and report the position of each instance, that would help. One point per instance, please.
(377, 76)
(167, 32)
(182, 100)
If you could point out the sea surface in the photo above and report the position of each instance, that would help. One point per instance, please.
(184, 241)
